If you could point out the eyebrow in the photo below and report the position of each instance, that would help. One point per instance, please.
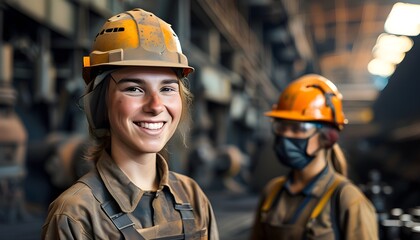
(142, 81)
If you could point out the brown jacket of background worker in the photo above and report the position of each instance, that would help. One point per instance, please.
(316, 200)
(136, 97)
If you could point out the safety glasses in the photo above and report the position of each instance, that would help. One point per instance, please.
(281, 127)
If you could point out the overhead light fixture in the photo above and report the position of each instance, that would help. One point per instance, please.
(381, 68)
(392, 48)
(388, 51)
(404, 19)
(394, 43)
(387, 55)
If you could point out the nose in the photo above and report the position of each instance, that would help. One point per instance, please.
(153, 104)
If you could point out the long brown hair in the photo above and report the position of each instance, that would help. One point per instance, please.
(337, 159)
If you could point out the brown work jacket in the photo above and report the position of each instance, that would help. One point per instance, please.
(347, 214)
(77, 214)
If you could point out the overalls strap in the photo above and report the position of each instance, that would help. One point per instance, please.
(272, 195)
(184, 207)
(120, 219)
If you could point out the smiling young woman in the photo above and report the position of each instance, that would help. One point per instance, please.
(135, 100)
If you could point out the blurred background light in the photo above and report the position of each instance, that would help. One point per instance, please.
(404, 19)
(381, 68)
(394, 43)
(388, 55)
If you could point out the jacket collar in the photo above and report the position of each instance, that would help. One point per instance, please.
(318, 185)
(126, 194)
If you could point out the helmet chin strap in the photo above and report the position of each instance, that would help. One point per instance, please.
(99, 78)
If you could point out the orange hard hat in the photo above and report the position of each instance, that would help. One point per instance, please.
(135, 38)
(310, 98)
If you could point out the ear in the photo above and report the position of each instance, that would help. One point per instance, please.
(328, 136)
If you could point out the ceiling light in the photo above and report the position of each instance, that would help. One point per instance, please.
(404, 19)
(394, 43)
(381, 68)
(388, 55)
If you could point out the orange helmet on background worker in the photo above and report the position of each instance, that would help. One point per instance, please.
(310, 98)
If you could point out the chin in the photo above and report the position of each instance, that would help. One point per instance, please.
(150, 149)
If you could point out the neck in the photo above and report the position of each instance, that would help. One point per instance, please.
(301, 178)
(139, 168)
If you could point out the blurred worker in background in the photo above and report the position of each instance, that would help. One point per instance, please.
(316, 200)
(136, 97)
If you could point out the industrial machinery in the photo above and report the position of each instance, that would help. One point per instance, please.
(12, 145)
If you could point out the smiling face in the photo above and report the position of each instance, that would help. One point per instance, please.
(144, 108)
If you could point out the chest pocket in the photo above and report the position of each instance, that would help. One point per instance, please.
(125, 225)
(294, 231)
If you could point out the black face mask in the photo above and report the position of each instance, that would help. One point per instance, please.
(291, 152)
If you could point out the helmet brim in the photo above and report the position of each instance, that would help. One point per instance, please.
(296, 116)
(289, 115)
(90, 71)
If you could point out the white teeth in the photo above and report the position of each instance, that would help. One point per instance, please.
(152, 126)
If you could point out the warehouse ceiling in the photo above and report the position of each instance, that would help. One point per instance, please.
(340, 36)
(344, 33)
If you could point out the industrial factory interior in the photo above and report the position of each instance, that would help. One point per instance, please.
(244, 54)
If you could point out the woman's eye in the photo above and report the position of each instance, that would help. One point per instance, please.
(133, 89)
(169, 89)
(296, 129)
